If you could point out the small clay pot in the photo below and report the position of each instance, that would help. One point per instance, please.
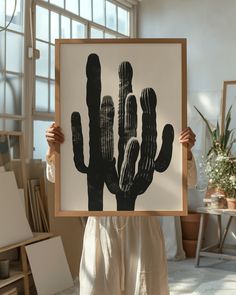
(231, 202)
(217, 201)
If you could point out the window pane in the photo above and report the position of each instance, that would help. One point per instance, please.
(123, 21)
(13, 94)
(2, 13)
(110, 15)
(40, 143)
(78, 30)
(1, 93)
(65, 27)
(85, 9)
(17, 21)
(14, 52)
(58, 3)
(12, 125)
(52, 63)
(73, 6)
(99, 11)
(41, 95)
(54, 26)
(95, 33)
(42, 62)
(14, 144)
(52, 96)
(42, 23)
(109, 36)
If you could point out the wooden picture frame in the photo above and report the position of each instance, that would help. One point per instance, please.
(228, 99)
(160, 64)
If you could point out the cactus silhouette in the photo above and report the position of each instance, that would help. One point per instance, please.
(122, 181)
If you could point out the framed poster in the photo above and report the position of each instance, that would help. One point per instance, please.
(229, 99)
(121, 105)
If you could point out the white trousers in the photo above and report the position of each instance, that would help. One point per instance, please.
(123, 256)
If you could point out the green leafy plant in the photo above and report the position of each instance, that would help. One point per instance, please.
(222, 140)
(220, 165)
(221, 170)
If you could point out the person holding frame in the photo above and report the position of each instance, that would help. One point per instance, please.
(122, 255)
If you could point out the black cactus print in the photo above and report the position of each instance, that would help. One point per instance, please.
(122, 181)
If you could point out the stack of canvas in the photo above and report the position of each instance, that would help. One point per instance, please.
(38, 205)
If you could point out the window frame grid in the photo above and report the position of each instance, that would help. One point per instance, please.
(88, 24)
(4, 116)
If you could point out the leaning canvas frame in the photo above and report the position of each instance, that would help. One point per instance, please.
(156, 63)
(20, 137)
(228, 99)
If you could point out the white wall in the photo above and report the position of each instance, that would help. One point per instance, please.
(209, 26)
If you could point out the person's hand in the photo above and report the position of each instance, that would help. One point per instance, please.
(187, 137)
(54, 137)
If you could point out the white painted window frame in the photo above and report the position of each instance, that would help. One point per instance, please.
(29, 77)
(4, 115)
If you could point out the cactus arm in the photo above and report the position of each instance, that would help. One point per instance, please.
(164, 158)
(93, 72)
(125, 87)
(111, 177)
(128, 165)
(77, 142)
(107, 144)
(106, 126)
(130, 127)
(146, 164)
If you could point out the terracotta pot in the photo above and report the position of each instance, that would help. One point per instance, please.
(190, 247)
(213, 190)
(190, 226)
(231, 203)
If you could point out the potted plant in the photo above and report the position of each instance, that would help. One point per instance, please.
(221, 170)
(220, 165)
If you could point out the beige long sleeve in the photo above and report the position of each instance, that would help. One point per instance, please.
(50, 170)
(192, 173)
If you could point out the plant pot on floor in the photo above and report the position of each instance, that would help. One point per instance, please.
(190, 227)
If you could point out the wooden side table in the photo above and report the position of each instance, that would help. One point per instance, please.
(216, 249)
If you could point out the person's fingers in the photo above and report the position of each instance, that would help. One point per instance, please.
(54, 131)
(187, 136)
(53, 141)
(188, 142)
(187, 131)
(53, 136)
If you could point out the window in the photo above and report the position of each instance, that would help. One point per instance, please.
(11, 65)
(28, 84)
(68, 19)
